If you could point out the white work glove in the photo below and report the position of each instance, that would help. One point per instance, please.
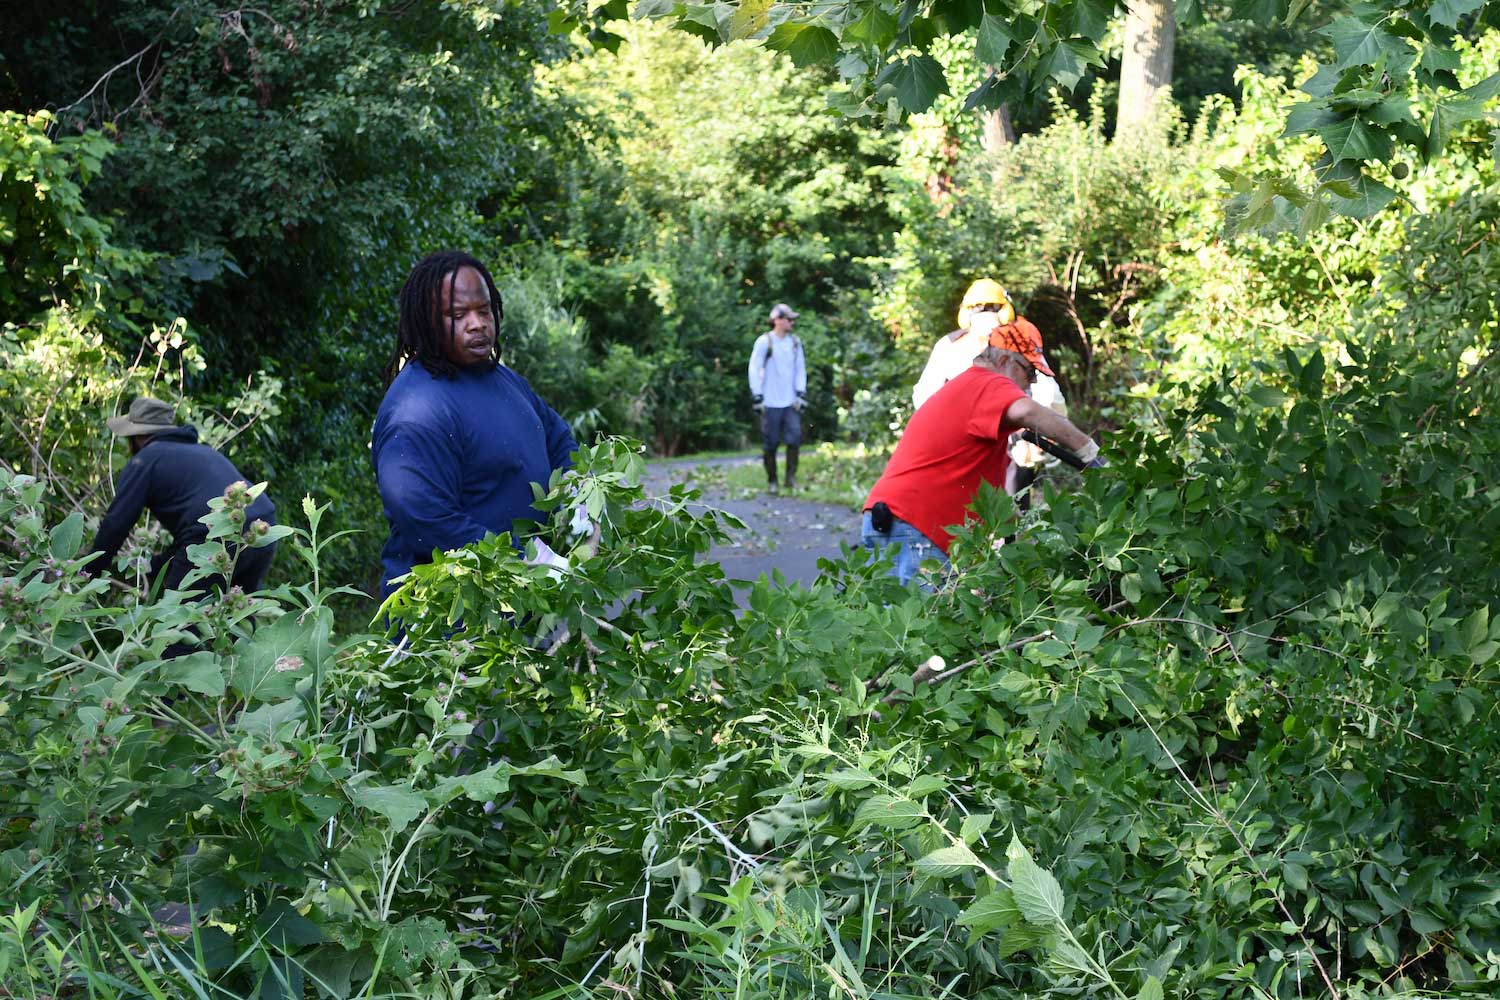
(800, 403)
(1089, 454)
(579, 523)
(544, 556)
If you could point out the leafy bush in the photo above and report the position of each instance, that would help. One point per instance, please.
(85, 328)
(1076, 227)
(1219, 723)
(716, 186)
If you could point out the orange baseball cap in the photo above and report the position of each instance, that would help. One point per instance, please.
(1025, 339)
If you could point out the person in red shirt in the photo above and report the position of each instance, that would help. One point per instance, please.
(953, 443)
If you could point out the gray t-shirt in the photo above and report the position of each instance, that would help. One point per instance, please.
(778, 371)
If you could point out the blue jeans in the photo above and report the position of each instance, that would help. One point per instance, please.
(914, 548)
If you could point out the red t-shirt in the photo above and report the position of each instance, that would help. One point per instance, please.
(951, 444)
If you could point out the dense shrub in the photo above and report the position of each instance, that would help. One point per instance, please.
(1077, 228)
(1220, 722)
(1119, 251)
(1220, 719)
(85, 327)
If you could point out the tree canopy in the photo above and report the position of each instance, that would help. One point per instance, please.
(1389, 82)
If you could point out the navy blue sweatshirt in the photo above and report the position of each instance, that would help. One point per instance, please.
(455, 459)
(174, 477)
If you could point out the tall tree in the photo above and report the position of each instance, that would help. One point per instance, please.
(1146, 66)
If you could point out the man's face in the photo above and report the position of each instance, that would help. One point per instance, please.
(782, 324)
(1021, 373)
(467, 319)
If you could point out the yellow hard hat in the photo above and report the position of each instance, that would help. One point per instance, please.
(986, 292)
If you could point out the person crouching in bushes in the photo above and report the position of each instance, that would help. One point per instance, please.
(174, 477)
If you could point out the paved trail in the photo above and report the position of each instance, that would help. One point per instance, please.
(781, 532)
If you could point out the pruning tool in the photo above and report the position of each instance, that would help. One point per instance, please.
(1054, 449)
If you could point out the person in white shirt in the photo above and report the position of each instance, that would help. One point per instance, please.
(986, 307)
(778, 387)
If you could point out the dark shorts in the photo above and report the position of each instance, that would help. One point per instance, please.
(781, 425)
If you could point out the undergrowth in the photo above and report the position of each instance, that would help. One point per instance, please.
(1221, 723)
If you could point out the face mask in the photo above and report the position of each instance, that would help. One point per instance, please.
(983, 322)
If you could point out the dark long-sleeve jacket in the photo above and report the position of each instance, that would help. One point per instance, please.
(455, 459)
(173, 477)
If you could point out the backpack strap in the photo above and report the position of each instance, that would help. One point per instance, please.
(771, 344)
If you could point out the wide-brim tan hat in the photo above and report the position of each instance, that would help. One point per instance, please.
(145, 416)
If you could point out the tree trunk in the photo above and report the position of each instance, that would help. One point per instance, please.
(999, 132)
(1146, 67)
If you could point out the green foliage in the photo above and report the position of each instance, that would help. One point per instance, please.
(72, 296)
(1356, 124)
(1311, 291)
(1117, 251)
(1218, 723)
(717, 186)
(1385, 57)
(54, 248)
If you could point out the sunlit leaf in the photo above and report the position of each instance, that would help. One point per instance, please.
(1036, 892)
(993, 912)
(887, 811)
(807, 44)
(993, 41)
(874, 27)
(749, 18)
(947, 861)
(66, 537)
(398, 804)
(198, 672)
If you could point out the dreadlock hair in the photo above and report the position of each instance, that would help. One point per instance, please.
(422, 330)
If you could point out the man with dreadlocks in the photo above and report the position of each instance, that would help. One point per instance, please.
(459, 438)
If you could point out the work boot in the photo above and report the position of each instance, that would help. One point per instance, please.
(791, 468)
(769, 459)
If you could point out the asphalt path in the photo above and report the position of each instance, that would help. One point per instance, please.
(781, 532)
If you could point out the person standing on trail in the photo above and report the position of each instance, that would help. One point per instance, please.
(459, 438)
(954, 442)
(173, 476)
(778, 387)
(986, 306)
